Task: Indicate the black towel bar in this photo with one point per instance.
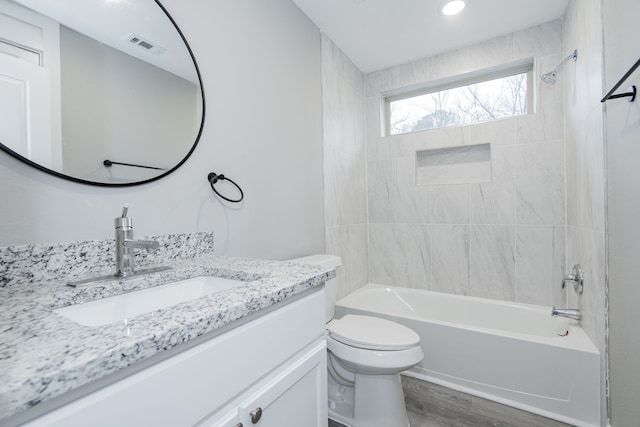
(632, 89)
(108, 164)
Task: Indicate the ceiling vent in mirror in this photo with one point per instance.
(146, 44)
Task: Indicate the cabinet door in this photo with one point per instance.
(295, 396)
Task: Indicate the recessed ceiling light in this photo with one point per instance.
(453, 7)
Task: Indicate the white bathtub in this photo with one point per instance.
(507, 352)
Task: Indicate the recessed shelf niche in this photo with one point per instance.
(455, 165)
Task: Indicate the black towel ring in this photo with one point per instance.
(214, 177)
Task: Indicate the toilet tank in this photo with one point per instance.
(331, 287)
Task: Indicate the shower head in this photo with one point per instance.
(552, 76)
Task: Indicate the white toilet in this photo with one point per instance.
(366, 355)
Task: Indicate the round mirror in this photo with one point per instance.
(102, 92)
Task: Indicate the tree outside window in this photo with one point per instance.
(488, 100)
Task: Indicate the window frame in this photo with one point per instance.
(459, 81)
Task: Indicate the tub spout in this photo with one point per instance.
(572, 313)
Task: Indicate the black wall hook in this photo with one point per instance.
(213, 178)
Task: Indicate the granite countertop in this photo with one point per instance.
(44, 355)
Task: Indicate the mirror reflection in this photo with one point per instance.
(88, 81)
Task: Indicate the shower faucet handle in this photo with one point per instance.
(577, 277)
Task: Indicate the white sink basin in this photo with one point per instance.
(125, 306)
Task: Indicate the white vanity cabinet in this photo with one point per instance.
(270, 371)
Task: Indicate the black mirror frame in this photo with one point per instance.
(146, 181)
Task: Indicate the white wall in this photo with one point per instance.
(260, 63)
(156, 112)
(623, 175)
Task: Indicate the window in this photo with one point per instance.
(488, 97)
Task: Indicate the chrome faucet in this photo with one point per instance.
(571, 313)
(125, 244)
(577, 278)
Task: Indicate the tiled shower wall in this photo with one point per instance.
(345, 197)
(504, 239)
(584, 138)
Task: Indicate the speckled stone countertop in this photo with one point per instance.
(44, 355)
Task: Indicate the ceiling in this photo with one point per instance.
(377, 34)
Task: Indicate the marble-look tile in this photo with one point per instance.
(586, 247)
(381, 177)
(450, 204)
(452, 136)
(336, 62)
(413, 201)
(540, 265)
(379, 147)
(456, 165)
(349, 242)
(546, 123)
(408, 76)
(414, 255)
(351, 119)
(343, 110)
(492, 262)
(383, 251)
(499, 133)
(494, 202)
(359, 110)
(359, 256)
(344, 188)
(337, 243)
(407, 144)
(541, 40)
(586, 77)
(585, 173)
(479, 56)
(331, 109)
(401, 76)
(376, 82)
(540, 184)
(450, 258)
(541, 126)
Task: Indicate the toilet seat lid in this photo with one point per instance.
(372, 333)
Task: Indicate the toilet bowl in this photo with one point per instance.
(365, 356)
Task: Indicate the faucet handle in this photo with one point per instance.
(577, 277)
(123, 221)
